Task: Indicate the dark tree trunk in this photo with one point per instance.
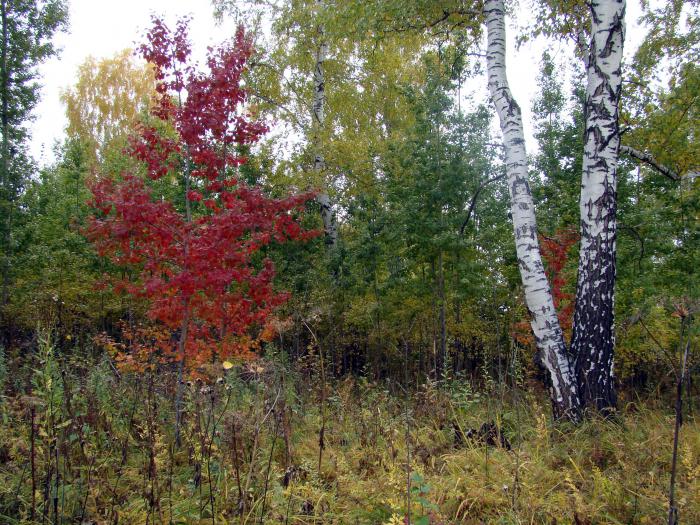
(593, 339)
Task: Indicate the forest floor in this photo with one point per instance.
(86, 444)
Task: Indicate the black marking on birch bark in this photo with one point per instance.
(612, 134)
(617, 26)
(593, 335)
(524, 265)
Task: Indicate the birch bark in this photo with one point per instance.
(538, 297)
(593, 339)
(318, 114)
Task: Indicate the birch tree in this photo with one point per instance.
(593, 339)
(106, 100)
(538, 297)
(288, 81)
(317, 109)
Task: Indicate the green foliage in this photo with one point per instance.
(420, 492)
(56, 270)
(659, 234)
(46, 381)
(557, 165)
(664, 121)
(27, 28)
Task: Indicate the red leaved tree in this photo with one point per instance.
(196, 256)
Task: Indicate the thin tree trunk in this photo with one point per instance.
(184, 325)
(32, 458)
(442, 352)
(434, 322)
(672, 508)
(180, 388)
(538, 296)
(6, 183)
(593, 338)
(318, 114)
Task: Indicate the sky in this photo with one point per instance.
(101, 28)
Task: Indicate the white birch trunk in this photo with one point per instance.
(318, 114)
(544, 320)
(593, 338)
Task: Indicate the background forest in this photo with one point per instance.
(281, 285)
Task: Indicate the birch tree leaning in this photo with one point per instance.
(593, 341)
(538, 297)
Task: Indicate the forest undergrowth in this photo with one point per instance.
(267, 442)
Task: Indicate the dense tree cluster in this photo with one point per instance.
(410, 180)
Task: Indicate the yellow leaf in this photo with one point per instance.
(227, 365)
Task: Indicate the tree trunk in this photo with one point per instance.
(442, 351)
(593, 339)
(6, 186)
(538, 297)
(318, 113)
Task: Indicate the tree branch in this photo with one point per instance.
(648, 159)
(635, 234)
(472, 205)
(279, 106)
(465, 16)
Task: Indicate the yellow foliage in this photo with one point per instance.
(105, 102)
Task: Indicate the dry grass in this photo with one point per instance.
(116, 465)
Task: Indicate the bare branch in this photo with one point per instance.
(635, 234)
(292, 116)
(648, 159)
(472, 205)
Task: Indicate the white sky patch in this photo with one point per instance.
(101, 28)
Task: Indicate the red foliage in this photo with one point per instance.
(555, 253)
(197, 268)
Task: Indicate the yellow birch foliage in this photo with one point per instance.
(106, 100)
